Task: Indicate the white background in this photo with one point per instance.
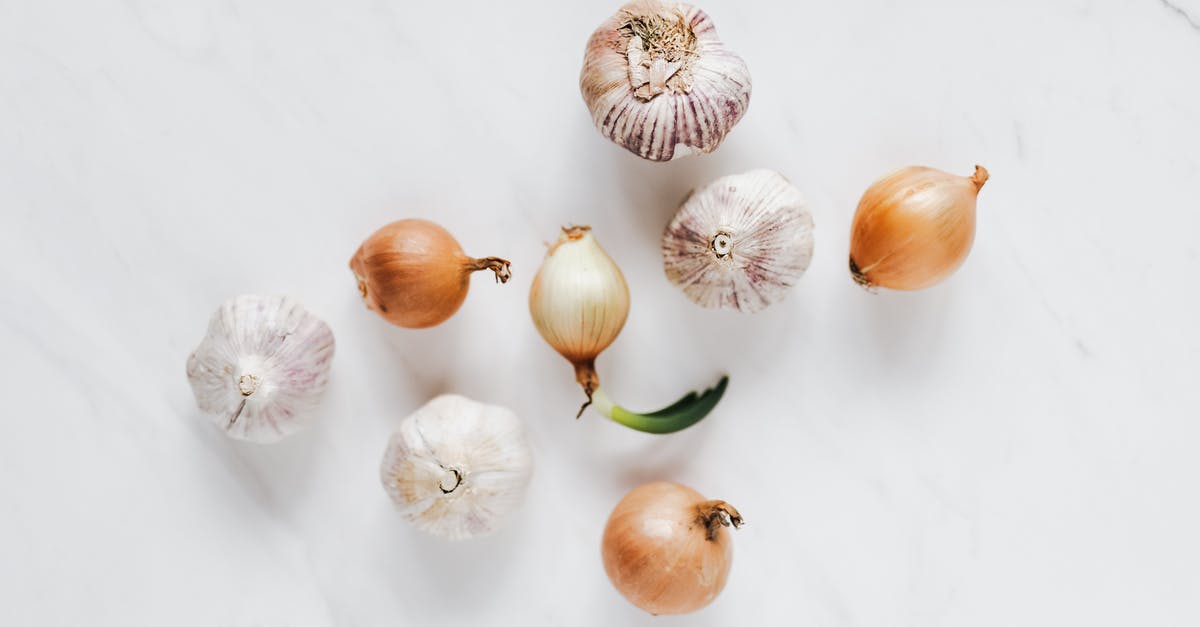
(1017, 446)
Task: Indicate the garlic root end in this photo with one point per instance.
(248, 384)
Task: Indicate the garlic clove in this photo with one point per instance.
(261, 367)
(457, 468)
(739, 242)
(660, 83)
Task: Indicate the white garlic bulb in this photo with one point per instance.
(456, 467)
(261, 367)
(660, 83)
(739, 242)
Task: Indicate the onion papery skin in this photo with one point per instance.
(415, 275)
(913, 228)
(659, 552)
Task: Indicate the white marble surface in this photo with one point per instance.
(1015, 447)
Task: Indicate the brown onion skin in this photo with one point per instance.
(913, 228)
(414, 273)
(666, 549)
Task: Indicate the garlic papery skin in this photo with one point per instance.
(659, 82)
(457, 468)
(913, 228)
(739, 242)
(262, 367)
(579, 301)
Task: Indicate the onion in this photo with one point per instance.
(913, 228)
(579, 302)
(666, 549)
(414, 273)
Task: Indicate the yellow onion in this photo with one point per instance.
(913, 228)
(578, 281)
(666, 549)
(579, 302)
(414, 274)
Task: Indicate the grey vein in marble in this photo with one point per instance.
(1181, 12)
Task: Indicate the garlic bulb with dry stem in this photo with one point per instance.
(660, 83)
(456, 467)
(739, 242)
(666, 549)
(414, 274)
(579, 302)
(261, 367)
(913, 228)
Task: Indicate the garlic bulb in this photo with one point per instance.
(660, 83)
(456, 467)
(913, 228)
(579, 302)
(262, 366)
(739, 242)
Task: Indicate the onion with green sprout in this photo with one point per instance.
(579, 302)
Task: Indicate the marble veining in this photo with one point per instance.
(1183, 13)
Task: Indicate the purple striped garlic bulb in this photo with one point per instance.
(261, 367)
(660, 83)
(739, 242)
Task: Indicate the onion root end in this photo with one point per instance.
(860, 277)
